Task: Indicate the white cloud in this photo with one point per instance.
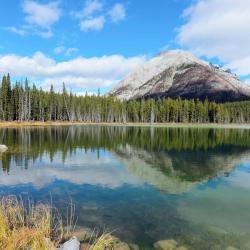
(241, 65)
(59, 49)
(219, 28)
(88, 93)
(18, 31)
(65, 51)
(45, 34)
(39, 18)
(76, 82)
(117, 13)
(90, 8)
(96, 23)
(43, 15)
(78, 73)
(93, 16)
(70, 51)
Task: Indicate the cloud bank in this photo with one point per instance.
(219, 28)
(80, 72)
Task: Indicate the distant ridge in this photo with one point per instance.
(178, 73)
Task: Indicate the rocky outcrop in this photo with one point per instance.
(180, 74)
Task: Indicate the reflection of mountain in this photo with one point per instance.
(177, 172)
(172, 159)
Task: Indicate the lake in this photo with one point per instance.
(143, 184)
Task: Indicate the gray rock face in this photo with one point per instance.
(180, 74)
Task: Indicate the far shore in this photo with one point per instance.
(14, 124)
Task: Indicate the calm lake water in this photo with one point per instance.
(144, 184)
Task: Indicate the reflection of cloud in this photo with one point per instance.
(225, 208)
(240, 180)
(80, 169)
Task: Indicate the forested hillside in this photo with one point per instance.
(20, 102)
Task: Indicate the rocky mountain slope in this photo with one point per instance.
(178, 73)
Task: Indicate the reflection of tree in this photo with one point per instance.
(5, 159)
(29, 143)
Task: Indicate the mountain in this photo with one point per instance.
(178, 73)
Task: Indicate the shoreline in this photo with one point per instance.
(16, 124)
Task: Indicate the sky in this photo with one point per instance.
(92, 44)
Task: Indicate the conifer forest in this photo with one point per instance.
(23, 102)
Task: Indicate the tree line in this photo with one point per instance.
(22, 102)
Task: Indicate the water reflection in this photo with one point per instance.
(172, 160)
(145, 183)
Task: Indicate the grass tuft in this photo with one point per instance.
(40, 227)
(28, 227)
(105, 241)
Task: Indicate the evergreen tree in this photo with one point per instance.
(20, 102)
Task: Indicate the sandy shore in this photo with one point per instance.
(170, 125)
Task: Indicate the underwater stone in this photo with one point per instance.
(84, 234)
(134, 247)
(121, 246)
(165, 244)
(181, 248)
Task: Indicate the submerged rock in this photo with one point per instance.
(118, 244)
(72, 244)
(134, 246)
(165, 245)
(84, 234)
(3, 148)
(84, 246)
(231, 248)
(181, 248)
(121, 246)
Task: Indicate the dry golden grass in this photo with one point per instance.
(104, 242)
(28, 228)
(13, 124)
(39, 227)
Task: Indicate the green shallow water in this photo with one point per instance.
(143, 184)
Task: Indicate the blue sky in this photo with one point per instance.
(91, 44)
